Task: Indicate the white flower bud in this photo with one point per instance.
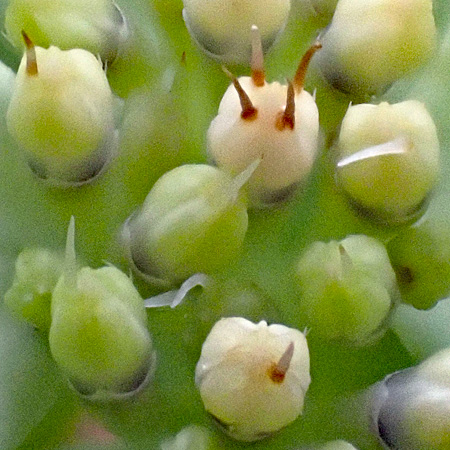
(338, 445)
(192, 437)
(371, 44)
(94, 25)
(277, 123)
(253, 377)
(411, 408)
(222, 27)
(61, 114)
(388, 158)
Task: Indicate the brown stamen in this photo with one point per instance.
(32, 68)
(278, 371)
(287, 118)
(299, 79)
(257, 63)
(249, 112)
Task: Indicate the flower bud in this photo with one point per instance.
(277, 123)
(29, 297)
(388, 159)
(369, 45)
(347, 289)
(338, 445)
(99, 334)
(421, 259)
(253, 377)
(94, 25)
(61, 114)
(411, 408)
(192, 437)
(193, 220)
(222, 27)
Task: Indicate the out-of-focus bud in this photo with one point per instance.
(222, 27)
(411, 408)
(193, 220)
(388, 159)
(371, 44)
(420, 256)
(94, 25)
(98, 334)
(338, 445)
(193, 437)
(277, 123)
(253, 377)
(37, 272)
(61, 114)
(347, 289)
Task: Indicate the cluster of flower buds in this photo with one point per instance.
(253, 377)
(94, 25)
(277, 123)
(98, 334)
(193, 220)
(410, 408)
(371, 44)
(222, 27)
(388, 159)
(347, 289)
(61, 114)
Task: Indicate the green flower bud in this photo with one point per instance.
(222, 27)
(253, 377)
(193, 220)
(61, 114)
(388, 159)
(347, 289)
(99, 334)
(29, 297)
(193, 437)
(421, 259)
(369, 45)
(411, 408)
(277, 123)
(94, 25)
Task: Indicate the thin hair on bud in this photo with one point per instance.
(279, 370)
(257, 62)
(32, 68)
(70, 261)
(299, 79)
(248, 110)
(287, 119)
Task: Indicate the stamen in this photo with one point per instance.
(287, 119)
(249, 112)
(299, 79)
(278, 371)
(257, 63)
(32, 68)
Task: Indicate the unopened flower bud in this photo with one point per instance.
(338, 445)
(347, 289)
(369, 45)
(411, 408)
(61, 114)
(94, 25)
(222, 27)
(193, 220)
(388, 159)
(99, 335)
(29, 297)
(277, 123)
(253, 377)
(193, 437)
(420, 256)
